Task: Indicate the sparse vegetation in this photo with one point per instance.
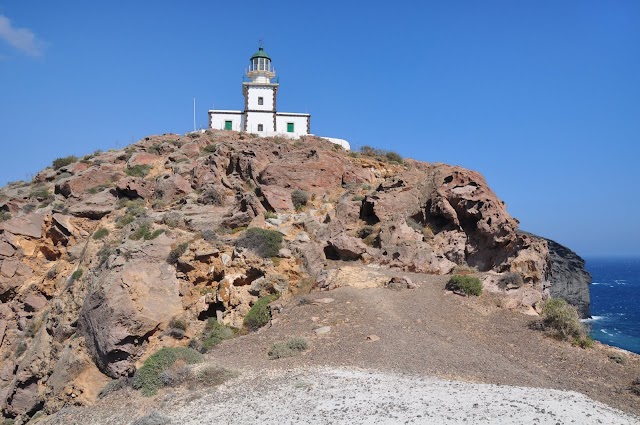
(100, 233)
(173, 219)
(265, 243)
(63, 162)
(147, 378)
(464, 269)
(177, 252)
(21, 348)
(214, 333)
(138, 170)
(4, 215)
(511, 280)
(381, 154)
(76, 275)
(424, 229)
(259, 314)
(562, 320)
(209, 149)
(39, 193)
(467, 285)
(153, 418)
(635, 386)
(177, 328)
(144, 232)
(113, 386)
(299, 198)
(290, 348)
(618, 358)
(358, 198)
(209, 235)
(212, 376)
(270, 214)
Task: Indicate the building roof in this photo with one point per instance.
(260, 54)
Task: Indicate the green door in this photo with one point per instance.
(227, 125)
(290, 127)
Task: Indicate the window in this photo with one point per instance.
(227, 125)
(260, 101)
(290, 127)
(260, 126)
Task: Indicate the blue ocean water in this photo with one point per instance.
(615, 301)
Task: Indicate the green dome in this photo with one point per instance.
(260, 54)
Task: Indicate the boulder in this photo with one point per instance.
(134, 187)
(278, 198)
(127, 306)
(29, 225)
(171, 187)
(94, 207)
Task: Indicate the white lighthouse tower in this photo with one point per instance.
(260, 115)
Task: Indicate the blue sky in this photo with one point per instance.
(542, 97)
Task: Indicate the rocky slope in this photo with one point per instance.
(99, 255)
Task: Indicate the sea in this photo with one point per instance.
(615, 301)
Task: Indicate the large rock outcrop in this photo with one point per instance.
(99, 256)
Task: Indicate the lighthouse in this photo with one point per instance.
(260, 115)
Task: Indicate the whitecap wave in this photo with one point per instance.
(593, 319)
(620, 282)
(598, 283)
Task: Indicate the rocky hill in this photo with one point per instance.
(101, 256)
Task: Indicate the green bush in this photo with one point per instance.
(270, 214)
(563, 320)
(299, 198)
(259, 314)
(5, 215)
(177, 252)
(393, 157)
(209, 149)
(265, 243)
(39, 193)
(138, 170)
(100, 233)
(77, 274)
(381, 154)
(468, 285)
(214, 333)
(287, 349)
(147, 378)
(63, 162)
(144, 232)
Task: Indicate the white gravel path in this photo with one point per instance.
(348, 396)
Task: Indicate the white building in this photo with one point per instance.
(260, 115)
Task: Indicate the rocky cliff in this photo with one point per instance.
(99, 255)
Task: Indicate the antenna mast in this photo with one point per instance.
(194, 114)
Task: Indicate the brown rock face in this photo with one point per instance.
(128, 305)
(91, 276)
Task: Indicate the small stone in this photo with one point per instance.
(315, 318)
(373, 338)
(323, 330)
(323, 301)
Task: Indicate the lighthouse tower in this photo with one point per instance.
(260, 115)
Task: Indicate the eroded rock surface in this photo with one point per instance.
(99, 256)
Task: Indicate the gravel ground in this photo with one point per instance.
(351, 396)
(436, 358)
